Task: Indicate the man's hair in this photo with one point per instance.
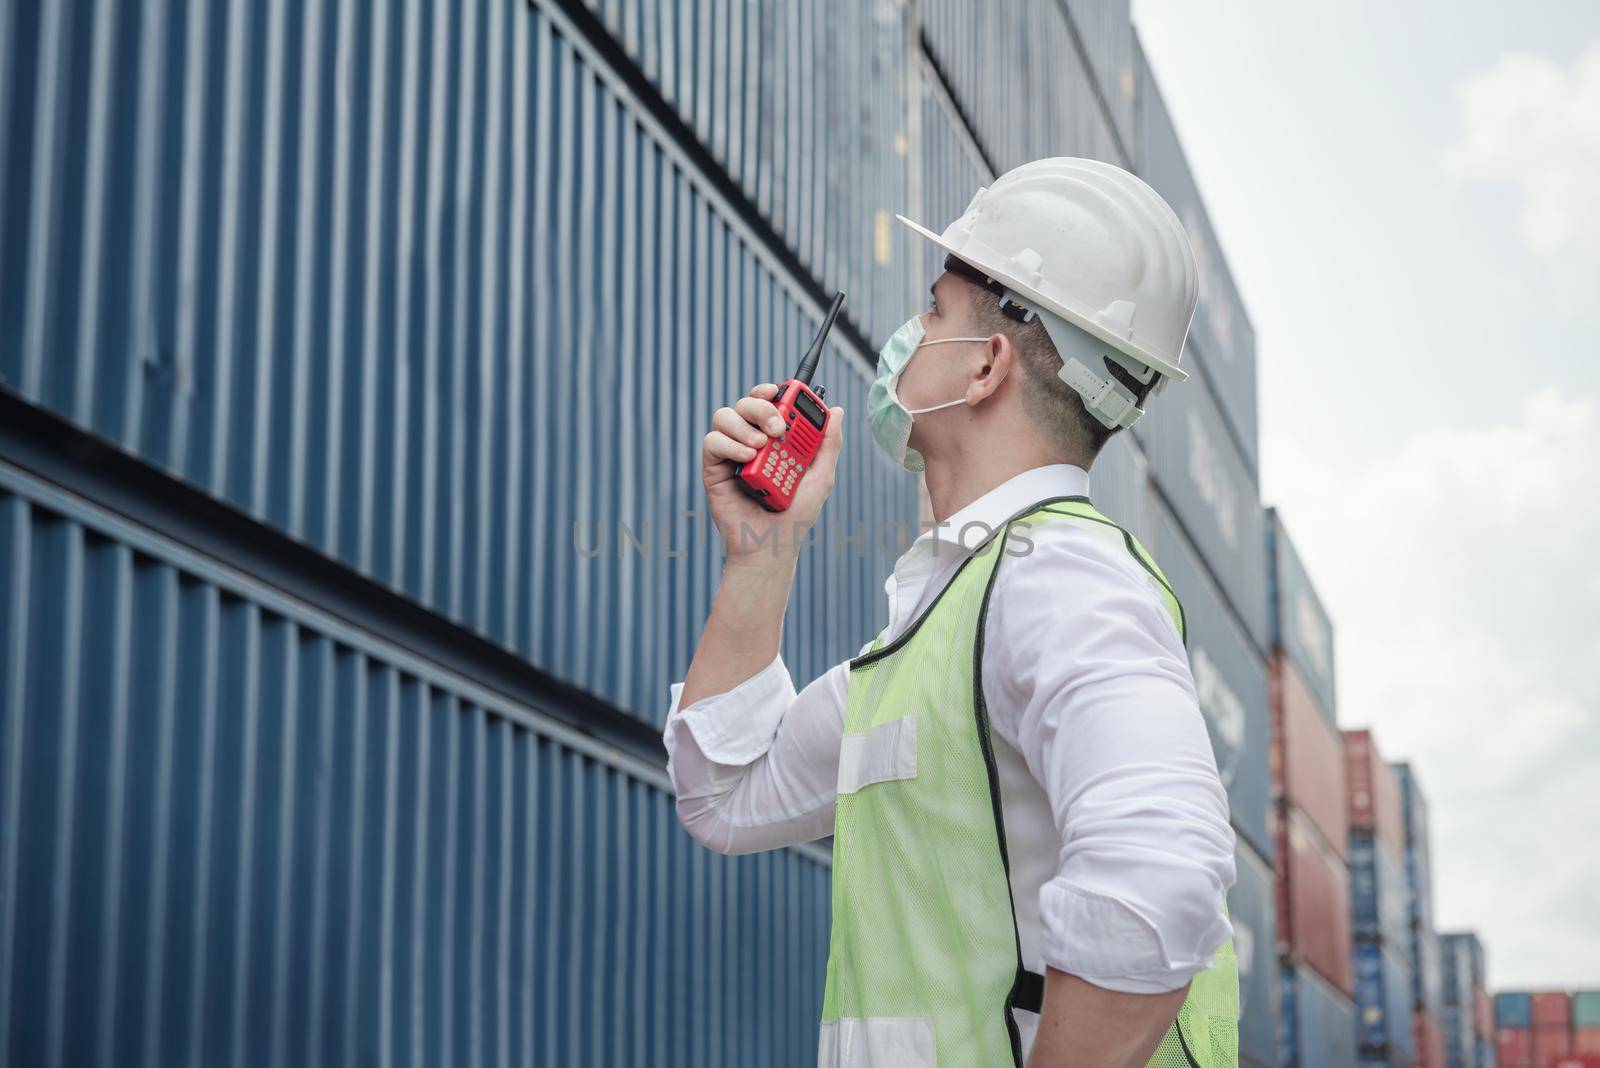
(1054, 407)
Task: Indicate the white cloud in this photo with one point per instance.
(1534, 125)
(1461, 574)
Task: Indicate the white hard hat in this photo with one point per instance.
(1085, 243)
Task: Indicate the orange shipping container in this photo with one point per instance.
(1374, 792)
(1427, 1038)
(1484, 1011)
(1313, 901)
(1513, 1048)
(1550, 1043)
(1552, 1008)
(1586, 1040)
(1307, 757)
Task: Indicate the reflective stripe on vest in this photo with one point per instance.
(924, 962)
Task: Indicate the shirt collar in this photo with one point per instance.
(968, 527)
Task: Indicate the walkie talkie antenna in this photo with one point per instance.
(808, 362)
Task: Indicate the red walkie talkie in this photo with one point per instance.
(781, 463)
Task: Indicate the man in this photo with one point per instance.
(1015, 772)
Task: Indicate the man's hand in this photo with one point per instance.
(736, 433)
(741, 635)
(1083, 1024)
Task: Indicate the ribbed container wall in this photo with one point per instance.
(1230, 678)
(1307, 755)
(1461, 994)
(1586, 1008)
(1374, 794)
(1418, 871)
(1253, 913)
(1427, 1039)
(1297, 621)
(804, 107)
(1383, 1004)
(1205, 480)
(1513, 1011)
(1319, 1022)
(272, 838)
(415, 335)
(1222, 341)
(1377, 894)
(1017, 73)
(1313, 892)
(445, 295)
(1514, 1048)
(1103, 30)
(1120, 488)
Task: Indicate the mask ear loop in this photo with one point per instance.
(958, 400)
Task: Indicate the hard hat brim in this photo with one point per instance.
(1072, 315)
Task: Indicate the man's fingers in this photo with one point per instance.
(761, 413)
(719, 446)
(737, 426)
(766, 391)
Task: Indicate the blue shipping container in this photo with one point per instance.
(1460, 1043)
(1513, 1010)
(1206, 482)
(1230, 678)
(1455, 968)
(1383, 1002)
(1377, 893)
(1222, 341)
(1016, 70)
(387, 329)
(1419, 858)
(1297, 622)
(1488, 1055)
(239, 829)
(1427, 969)
(1319, 1023)
(804, 108)
(1253, 909)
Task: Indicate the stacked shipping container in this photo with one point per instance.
(418, 348)
(1427, 1028)
(1378, 903)
(1532, 1030)
(1552, 1025)
(1311, 814)
(1586, 1021)
(1464, 1015)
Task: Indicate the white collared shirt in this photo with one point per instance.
(1116, 821)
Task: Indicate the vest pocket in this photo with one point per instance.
(888, 751)
(878, 1042)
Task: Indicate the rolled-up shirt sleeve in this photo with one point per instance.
(1106, 717)
(756, 768)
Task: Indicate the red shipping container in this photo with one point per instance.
(1484, 1010)
(1513, 1048)
(1586, 1040)
(1550, 1043)
(1313, 901)
(1427, 1037)
(1307, 755)
(1553, 1008)
(1374, 791)
(1577, 1060)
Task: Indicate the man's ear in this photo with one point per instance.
(999, 363)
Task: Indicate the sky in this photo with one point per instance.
(1408, 196)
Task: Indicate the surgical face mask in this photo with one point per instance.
(889, 419)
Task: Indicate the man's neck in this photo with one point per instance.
(953, 486)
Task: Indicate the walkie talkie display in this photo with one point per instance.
(782, 462)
